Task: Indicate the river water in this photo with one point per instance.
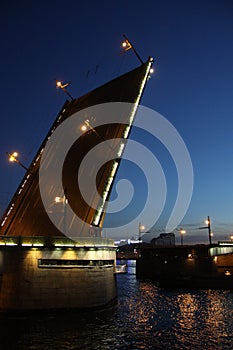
(145, 317)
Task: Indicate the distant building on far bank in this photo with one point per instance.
(164, 239)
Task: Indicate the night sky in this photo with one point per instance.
(80, 42)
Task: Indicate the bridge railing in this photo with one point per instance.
(221, 249)
(47, 241)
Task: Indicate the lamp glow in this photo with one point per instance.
(60, 85)
(12, 157)
(63, 87)
(126, 45)
(182, 233)
(84, 127)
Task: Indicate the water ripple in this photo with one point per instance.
(145, 317)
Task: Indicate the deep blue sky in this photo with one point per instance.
(192, 43)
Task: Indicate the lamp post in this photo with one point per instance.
(63, 87)
(13, 158)
(141, 228)
(64, 201)
(208, 227)
(127, 45)
(182, 233)
(86, 126)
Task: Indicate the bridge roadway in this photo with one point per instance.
(132, 251)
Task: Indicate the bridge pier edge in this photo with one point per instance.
(56, 278)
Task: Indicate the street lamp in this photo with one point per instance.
(12, 157)
(64, 201)
(127, 45)
(182, 233)
(86, 126)
(141, 228)
(63, 87)
(207, 222)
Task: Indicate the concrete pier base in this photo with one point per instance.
(56, 276)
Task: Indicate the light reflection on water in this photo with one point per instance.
(145, 317)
